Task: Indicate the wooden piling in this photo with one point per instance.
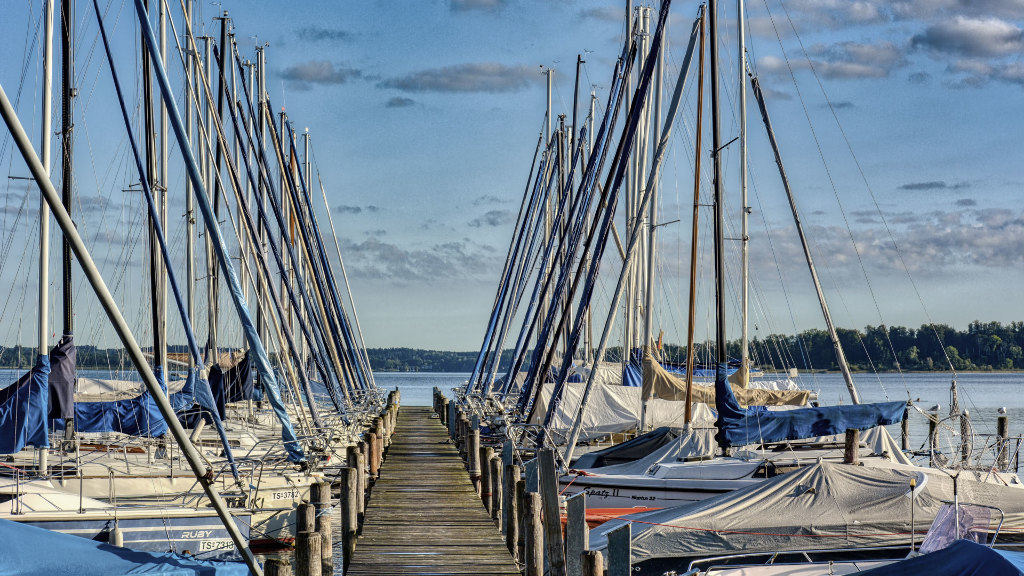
(548, 479)
(305, 517)
(379, 450)
(277, 567)
(485, 453)
(350, 498)
(905, 429)
(495, 475)
(534, 534)
(473, 463)
(307, 554)
(851, 455)
(577, 533)
(620, 551)
(1003, 432)
(592, 563)
(520, 525)
(320, 494)
(373, 462)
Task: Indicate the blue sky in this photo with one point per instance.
(424, 116)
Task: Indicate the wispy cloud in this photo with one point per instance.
(305, 75)
(488, 199)
(603, 13)
(486, 5)
(399, 102)
(376, 259)
(472, 77)
(934, 185)
(320, 34)
(844, 60)
(493, 218)
(347, 209)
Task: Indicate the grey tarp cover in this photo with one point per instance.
(821, 506)
(700, 442)
(611, 409)
(668, 386)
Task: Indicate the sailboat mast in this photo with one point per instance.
(190, 217)
(833, 335)
(692, 318)
(211, 265)
(745, 212)
(44, 210)
(722, 353)
(161, 193)
(44, 149)
(652, 209)
(67, 22)
(150, 176)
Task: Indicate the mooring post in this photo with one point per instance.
(307, 554)
(445, 419)
(1003, 432)
(534, 535)
(852, 453)
(305, 517)
(620, 551)
(277, 567)
(905, 429)
(592, 563)
(320, 494)
(379, 450)
(548, 478)
(349, 514)
(519, 532)
(509, 493)
(577, 533)
(451, 420)
(485, 453)
(496, 489)
(473, 454)
(382, 430)
(374, 462)
(353, 458)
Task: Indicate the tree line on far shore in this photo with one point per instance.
(982, 346)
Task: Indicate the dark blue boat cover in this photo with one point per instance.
(233, 384)
(961, 558)
(138, 416)
(32, 551)
(23, 407)
(740, 427)
(62, 378)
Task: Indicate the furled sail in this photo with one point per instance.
(23, 408)
(665, 385)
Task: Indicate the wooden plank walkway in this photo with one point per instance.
(424, 516)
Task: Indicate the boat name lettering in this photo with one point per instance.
(195, 534)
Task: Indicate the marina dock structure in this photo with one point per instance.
(424, 515)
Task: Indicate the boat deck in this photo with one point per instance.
(424, 516)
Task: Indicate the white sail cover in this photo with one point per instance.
(611, 408)
(820, 506)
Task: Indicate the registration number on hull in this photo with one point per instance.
(214, 545)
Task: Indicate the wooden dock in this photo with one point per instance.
(424, 516)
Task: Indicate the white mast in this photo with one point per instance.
(44, 209)
(744, 371)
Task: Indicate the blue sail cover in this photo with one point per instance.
(961, 558)
(739, 427)
(23, 408)
(138, 416)
(32, 551)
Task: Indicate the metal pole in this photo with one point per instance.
(67, 23)
(190, 217)
(722, 354)
(44, 210)
(744, 234)
(203, 474)
(692, 315)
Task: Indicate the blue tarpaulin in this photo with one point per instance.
(32, 551)
(961, 558)
(23, 408)
(138, 416)
(739, 427)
